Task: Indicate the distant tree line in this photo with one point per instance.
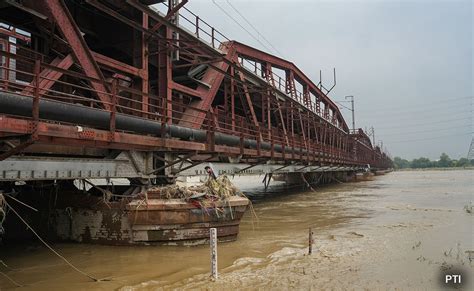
(421, 163)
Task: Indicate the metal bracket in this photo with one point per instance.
(16, 149)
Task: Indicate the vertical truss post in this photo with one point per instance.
(302, 130)
(165, 75)
(232, 97)
(197, 26)
(257, 137)
(290, 84)
(213, 38)
(226, 103)
(6, 70)
(272, 149)
(283, 146)
(36, 97)
(262, 106)
(282, 120)
(211, 130)
(113, 110)
(307, 97)
(292, 134)
(269, 119)
(164, 113)
(326, 111)
(241, 130)
(144, 57)
(318, 105)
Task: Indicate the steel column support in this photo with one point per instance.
(144, 57)
(232, 97)
(165, 78)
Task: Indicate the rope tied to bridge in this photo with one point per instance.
(5, 203)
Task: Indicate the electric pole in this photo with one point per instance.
(353, 118)
(470, 154)
(373, 135)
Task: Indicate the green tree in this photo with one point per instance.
(463, 162)
(444, 161)
(421, 163)
(400, 163)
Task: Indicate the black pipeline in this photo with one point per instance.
(15, 104)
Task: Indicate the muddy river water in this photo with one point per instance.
(395, 232)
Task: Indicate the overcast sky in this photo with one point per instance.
(409, 64)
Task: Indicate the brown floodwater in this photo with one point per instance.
(395, 232)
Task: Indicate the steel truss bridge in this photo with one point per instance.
(106, 89)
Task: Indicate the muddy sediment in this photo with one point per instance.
(397, 231)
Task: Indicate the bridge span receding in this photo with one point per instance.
(165, 96)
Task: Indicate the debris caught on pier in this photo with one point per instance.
(213, 189)
(202, 196)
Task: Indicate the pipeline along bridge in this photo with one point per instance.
(121, 89)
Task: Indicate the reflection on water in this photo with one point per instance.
(393, 232)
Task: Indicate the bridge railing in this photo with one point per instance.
(194, 24)
(40, 80)
(209, 34)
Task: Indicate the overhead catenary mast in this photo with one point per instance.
(470, 154)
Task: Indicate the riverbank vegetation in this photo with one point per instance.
(444, 161)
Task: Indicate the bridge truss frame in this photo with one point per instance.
(165, 72)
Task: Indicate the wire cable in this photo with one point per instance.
(48, 246)
(434, 138)
(246, 30)
(254, 28)
(424, 131)
(425, 123)
(421, 110)
(449, 100)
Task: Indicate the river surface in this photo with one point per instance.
(394, 232)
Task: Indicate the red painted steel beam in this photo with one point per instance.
(194, 118)
(58, 12)
(17, 149)
(257, 55)
(165, 78)
(60, 134)
(186, 90)
(282, 120)
(49, 76)
(117, 65)
(170, 14)
(249, 103)
(14, 34)
(144, 60)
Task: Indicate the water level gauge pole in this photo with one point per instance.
(213, 243)
(310, 241)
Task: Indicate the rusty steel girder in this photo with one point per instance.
(160, 72)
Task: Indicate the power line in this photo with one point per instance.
(343, 105)
(246, 30)
(423, 123)
(254, 28)
(423, 131)
(420, 110)
(429, 104)
(438, 137)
